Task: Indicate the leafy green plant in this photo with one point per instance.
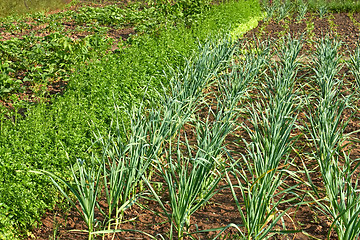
(188, 10)
(7, 84)
(42, 59)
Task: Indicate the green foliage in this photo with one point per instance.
(136, 15)
(53, 135)
(188, 10)
(271, 126)
(335, 5)
(327, 131)
(34, 61)
(227, 16)
(142, 16)
(41, 59)
(191, 179)
(7, 84)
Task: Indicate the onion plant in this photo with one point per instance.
(301, 10)
(284, 10)
(187, 85)
(270, 11)
(327, 65)
(337, 169)
(327, 126)
(354, 65)
(281, 82)
(126, 156)
(85, 186)
(191, 178)
(210, 135)
(260, 174)
(185, 178)
(244, 68)
(322, 10)
(201, 69)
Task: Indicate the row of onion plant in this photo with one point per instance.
(354, 65)
(260, 174)
(327, 126)
(192, 170)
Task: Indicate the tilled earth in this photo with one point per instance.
(221, 209)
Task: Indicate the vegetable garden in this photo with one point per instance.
(221, 134)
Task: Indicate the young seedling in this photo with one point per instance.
(354, 65)
(302, 10)
(322, 10)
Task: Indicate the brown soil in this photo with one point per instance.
(221, 210)
(336, 25)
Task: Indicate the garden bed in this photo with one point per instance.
(303, 219)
